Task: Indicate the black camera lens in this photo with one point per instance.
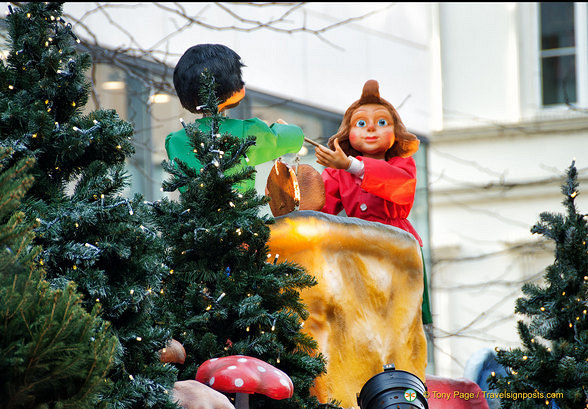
(393, 389)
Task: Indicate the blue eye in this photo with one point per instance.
(382, 122)
(360, 124)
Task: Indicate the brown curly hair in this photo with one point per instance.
(405, 143)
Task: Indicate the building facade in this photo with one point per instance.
(509, 118)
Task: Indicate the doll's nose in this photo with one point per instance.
(371, 127)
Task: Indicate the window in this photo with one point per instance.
(558, 53)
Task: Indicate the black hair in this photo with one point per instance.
(224, 64)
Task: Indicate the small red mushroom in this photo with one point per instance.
(245, 375)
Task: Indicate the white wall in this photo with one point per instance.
(497, 160)
(480, 63)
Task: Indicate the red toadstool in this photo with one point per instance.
(245, 375)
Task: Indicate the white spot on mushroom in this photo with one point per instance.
(261, 369)
(284, 382)
(239, 382)
(211, 382)
(242, 360)
(232, 367)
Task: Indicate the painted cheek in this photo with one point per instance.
(390, 137)
(354, 136)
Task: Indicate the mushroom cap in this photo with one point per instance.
(245, 374)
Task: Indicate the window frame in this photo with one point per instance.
(580, 51)
(529, 69)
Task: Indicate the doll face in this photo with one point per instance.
(372, 130)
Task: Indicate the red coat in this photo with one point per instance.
(385, 194)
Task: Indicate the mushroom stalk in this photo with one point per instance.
(241, 400)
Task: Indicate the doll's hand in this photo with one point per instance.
(281, 121)
(336, 159)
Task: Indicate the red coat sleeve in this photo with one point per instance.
(393, 180)
(333, 203)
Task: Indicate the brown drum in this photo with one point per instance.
(291, 188)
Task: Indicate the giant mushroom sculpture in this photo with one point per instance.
(245, 375)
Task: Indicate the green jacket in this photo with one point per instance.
(271, 142)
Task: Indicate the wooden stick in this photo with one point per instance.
(310, 141)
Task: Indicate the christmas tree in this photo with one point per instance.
(224, 294)
(52, 352)
(552, 363)
(88, 232)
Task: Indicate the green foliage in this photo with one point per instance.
(88, 232)
(55, 354)
(553, 357)
(224, 295)
(52, 352)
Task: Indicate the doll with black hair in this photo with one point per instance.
(272, 141)
(370, 172)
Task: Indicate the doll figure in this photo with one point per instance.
(225, 65)
(369, 171)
